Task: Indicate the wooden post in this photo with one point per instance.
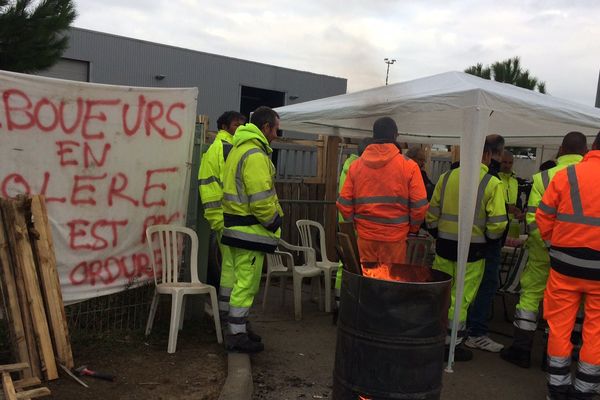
(13, 310)
(24, 261)
(331, 176)
(44, 248)
(30, 340)
(427, 150)
(455, 153)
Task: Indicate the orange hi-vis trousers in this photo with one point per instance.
(561, 303)
(377, 257)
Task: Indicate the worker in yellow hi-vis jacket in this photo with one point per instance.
(210, 185)
(252, 217)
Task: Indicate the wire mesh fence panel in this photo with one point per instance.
(123, 311)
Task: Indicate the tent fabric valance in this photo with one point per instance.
(433, 110)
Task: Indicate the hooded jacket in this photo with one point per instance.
(383, 194)
(568, 217)
(251, 210)
(210, 179)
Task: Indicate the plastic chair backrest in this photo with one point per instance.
(308, 253)
(170, 253)
(275, 260)
(304, 226)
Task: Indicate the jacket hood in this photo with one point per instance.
(224, 135)
(592, 154)
(379, 155)
(569, 159)
(248, 132)
(507, 174)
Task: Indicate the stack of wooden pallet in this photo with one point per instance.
(31, 290)
(23, 388)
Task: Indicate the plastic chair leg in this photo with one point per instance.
(176, 300)
(297, 297)
(153, 307)
(327, 279)
(182, 316)
(316, 283)
(267, 283)
(215, 310)
(282, 284)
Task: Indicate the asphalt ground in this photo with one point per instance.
(298, 359)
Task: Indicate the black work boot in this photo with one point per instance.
(576, 395)
(558, 392)
(544, 365)
(519, 353)
(241, 343)
(460, 353)
(251, 334)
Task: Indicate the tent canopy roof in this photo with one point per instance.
(434, 109)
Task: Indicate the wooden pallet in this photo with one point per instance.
(32, 294)
(20, 389)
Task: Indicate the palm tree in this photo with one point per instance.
(508, 71)
(479, 70)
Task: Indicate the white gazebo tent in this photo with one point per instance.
(449, 108)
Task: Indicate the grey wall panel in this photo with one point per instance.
(125, 61)
(65, 68)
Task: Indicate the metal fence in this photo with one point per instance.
(123, 311)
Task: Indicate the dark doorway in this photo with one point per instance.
(252, 98)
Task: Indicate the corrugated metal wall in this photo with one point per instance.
(125, 61)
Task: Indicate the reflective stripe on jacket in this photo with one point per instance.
(210, 179)
(490, 214)
(384, 194)
(541, 180)
(568, 218)
(251, 210)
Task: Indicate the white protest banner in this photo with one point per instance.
(111, 160)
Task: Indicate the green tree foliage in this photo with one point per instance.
(33, 36)
(508, 71)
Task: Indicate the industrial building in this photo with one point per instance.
(224, 83)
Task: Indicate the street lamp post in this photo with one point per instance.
(387, 74)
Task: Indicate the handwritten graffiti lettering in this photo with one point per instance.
(94, 190)
(91, 157)
(97, 235)
(91, 117)
(110, 161)
(118, 184)
(109, 270)
(150, 186)
(158, 220)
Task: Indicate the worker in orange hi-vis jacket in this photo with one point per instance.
(568, 218)
(385, 196)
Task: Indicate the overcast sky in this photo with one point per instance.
(557, 40)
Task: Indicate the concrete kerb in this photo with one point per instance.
(238, 385)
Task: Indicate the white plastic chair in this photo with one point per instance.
(329, 267)
(277, 266)
(167, 278)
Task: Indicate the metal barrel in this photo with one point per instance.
(391, 335)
